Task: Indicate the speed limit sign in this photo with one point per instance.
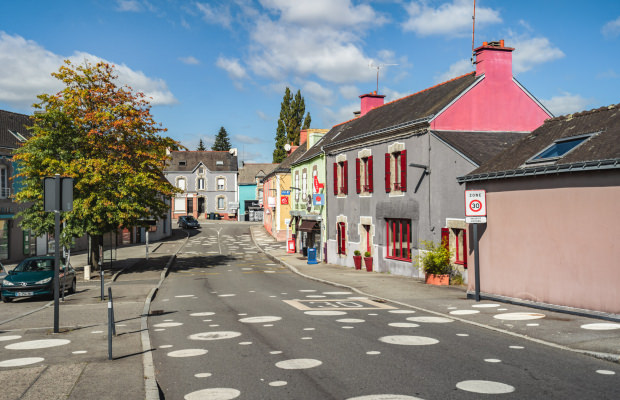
(475, 206)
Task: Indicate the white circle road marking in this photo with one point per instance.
(37, 344)
(214, 335)
(185, 295)
(245, 343)
(384, 397)
(464, 312)
(202, 314)
(485, 305)
(485, 387)
(519, 316)
(309, 329)
(307, 290)
(403, 325)
(325, 312)
(336, 293)
(298, 363)
(605, 372)
(602, 326)
(165, 346)
(260, 320)
(492, 360)
(462, 334)
(187, 353)
(407, 340)
(203, 375)
(275, 352)
(226, 295)
(10, 337)
(351, 320)
(315, 296)
(402, 311)
(433, 320)
(18, 362)
(213, 394)
(277, 383)
(168, 324)
(373, 353)
(516, 347)
(79, 352)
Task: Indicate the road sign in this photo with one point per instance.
(285, 193)
(284, 200)
(475, 203)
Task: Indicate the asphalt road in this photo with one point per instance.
(229, 323)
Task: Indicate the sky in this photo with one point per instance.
(208, 64)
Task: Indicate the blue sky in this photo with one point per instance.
(207, 64)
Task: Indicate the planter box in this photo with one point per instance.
(357, 260)
(368, 263)
(440, 280)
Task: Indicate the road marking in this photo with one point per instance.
(337, 304)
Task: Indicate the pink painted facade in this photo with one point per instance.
(370, 101)
(496, 102)
(552, 239)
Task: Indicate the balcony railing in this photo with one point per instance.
(5, 193)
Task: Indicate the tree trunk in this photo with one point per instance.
(96, 251)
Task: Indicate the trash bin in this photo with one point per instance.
(218, 216)
(312, 256)
(212, 215)
(304, 251)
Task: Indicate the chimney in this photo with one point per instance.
(303, 136)
(494, 60)
(370, 101)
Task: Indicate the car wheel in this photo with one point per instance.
(73, 287)
(6, 299)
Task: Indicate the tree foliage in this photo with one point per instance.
(201, 146)
(291, 120)
(222, 142)
(279, 154)
(104, 137)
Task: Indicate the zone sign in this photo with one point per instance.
(475, 203)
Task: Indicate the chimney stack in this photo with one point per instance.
(494, 60)
(370, 101)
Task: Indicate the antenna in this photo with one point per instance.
(473, 31)
(378, 67)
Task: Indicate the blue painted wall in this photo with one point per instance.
(246, 192)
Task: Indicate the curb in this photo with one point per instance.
(603, 356)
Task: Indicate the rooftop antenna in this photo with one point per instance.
(473, 31)
(378, 67)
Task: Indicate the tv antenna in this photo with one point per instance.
(378, 67)
(473, 31)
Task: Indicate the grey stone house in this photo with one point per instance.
(208, 180)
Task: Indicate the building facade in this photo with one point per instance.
(251, 190)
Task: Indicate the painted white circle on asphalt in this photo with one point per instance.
(187, 353)
(226, 295)
(245, 343)
(432, 320)
(373, 353)
(168, 324)
(385, 397)
(519, 316)
(601, 326)
(347, 327)
(165, 346)
(97, 332)
(309, 329)
(260, 320)
(407, 340)
(403, 325)
(485, 305)
(306, 338)
(79, 352)
(185, 295)
(159, 329)
(605, 372)
(315, 296)
(277, 383)
(10, 337)
(307, 290)
(216, 335)
(516, 347)
(492, 360)
(351, 320)
(462, 334)
(202, 314)
(402, 311)
(485, 387)
(213, 394)
(337, 293)
(203, 375)
(275, 352)
(464, 312)
(37, 344)
(325, 312)
(299, 363)
(18, 362)
(532, 324)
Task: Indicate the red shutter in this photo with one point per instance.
(445, 237)
(357, 175)
(369, 166)
(465, 248)
(387, 173)
(335, 179)
(403, 170)
(344, 237)
(345, 179)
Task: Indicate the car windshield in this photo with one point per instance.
(37, 264)
(190, 219)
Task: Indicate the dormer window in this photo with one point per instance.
(182, 163)
(17, 135)
(559, 148)
(219, 163)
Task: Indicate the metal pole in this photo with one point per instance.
(476, 263)
(110, 323)
(147, 243)
(101, 274)
(56, 253)
(111, 302)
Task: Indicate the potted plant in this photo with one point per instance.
(368, 261)
(435, 262)
(357, 259)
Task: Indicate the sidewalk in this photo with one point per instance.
(73, 364)
(591, 336)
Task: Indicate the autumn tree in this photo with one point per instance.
(222, 142)
(104, 137)
(201, 146)
(291, 121)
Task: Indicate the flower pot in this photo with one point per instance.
(368, 263)
(439, 280)
(357, 260)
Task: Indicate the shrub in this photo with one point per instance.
(367, 254)
(357, 253)
(435, 259)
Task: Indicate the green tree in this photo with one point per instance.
(292, 111)
(222, 142)
(104, 137)
(201, 146)
(279, 154)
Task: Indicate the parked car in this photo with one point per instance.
(187, 221)
(2, 273)
(35, 277)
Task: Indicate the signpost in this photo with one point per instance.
(57, 197)
(476, 213)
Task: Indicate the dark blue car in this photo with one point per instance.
(35, 277)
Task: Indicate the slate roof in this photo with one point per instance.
(415, 107)
(18, 123)
(600, 151)
(249, 172)
(480, 147)
(208, 158)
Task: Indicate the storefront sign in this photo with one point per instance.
(284, 200)
(271, 202)
(318, 199)
(317, 185)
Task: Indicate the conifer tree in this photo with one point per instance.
(279, 154)
(222, 142)
(291, 120)
(201, 145)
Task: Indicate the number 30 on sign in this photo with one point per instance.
(475, 206)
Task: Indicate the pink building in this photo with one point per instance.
(553, 208)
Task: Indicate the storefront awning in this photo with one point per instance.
(308, 225)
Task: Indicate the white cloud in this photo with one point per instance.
(128, 5)
(246, 139)
(190, 60)
(27, 68)
(219, 15)
(448, 19)
(263, 116)
(317, 93)
(391, 95)
(459, 68)
(343, 114)
(349, 91)
(332, 13)
(566, 103)
(612, 28)
(532, 52)
(232, 67)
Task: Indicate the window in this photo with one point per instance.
(181, 183)
(220, 183)
(396, 171)
(260, 194)
(363, 174)
(341, 177)
(304, 185)
(5, 191)
(398, 237)
(182, 163)
(190, 205)
(342, 237)
(297, 186)
(559, 148)
(179, 204)
(221, 203)
(461, 247)
(219, 163)
(201, 184)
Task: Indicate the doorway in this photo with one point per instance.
(201, 206)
